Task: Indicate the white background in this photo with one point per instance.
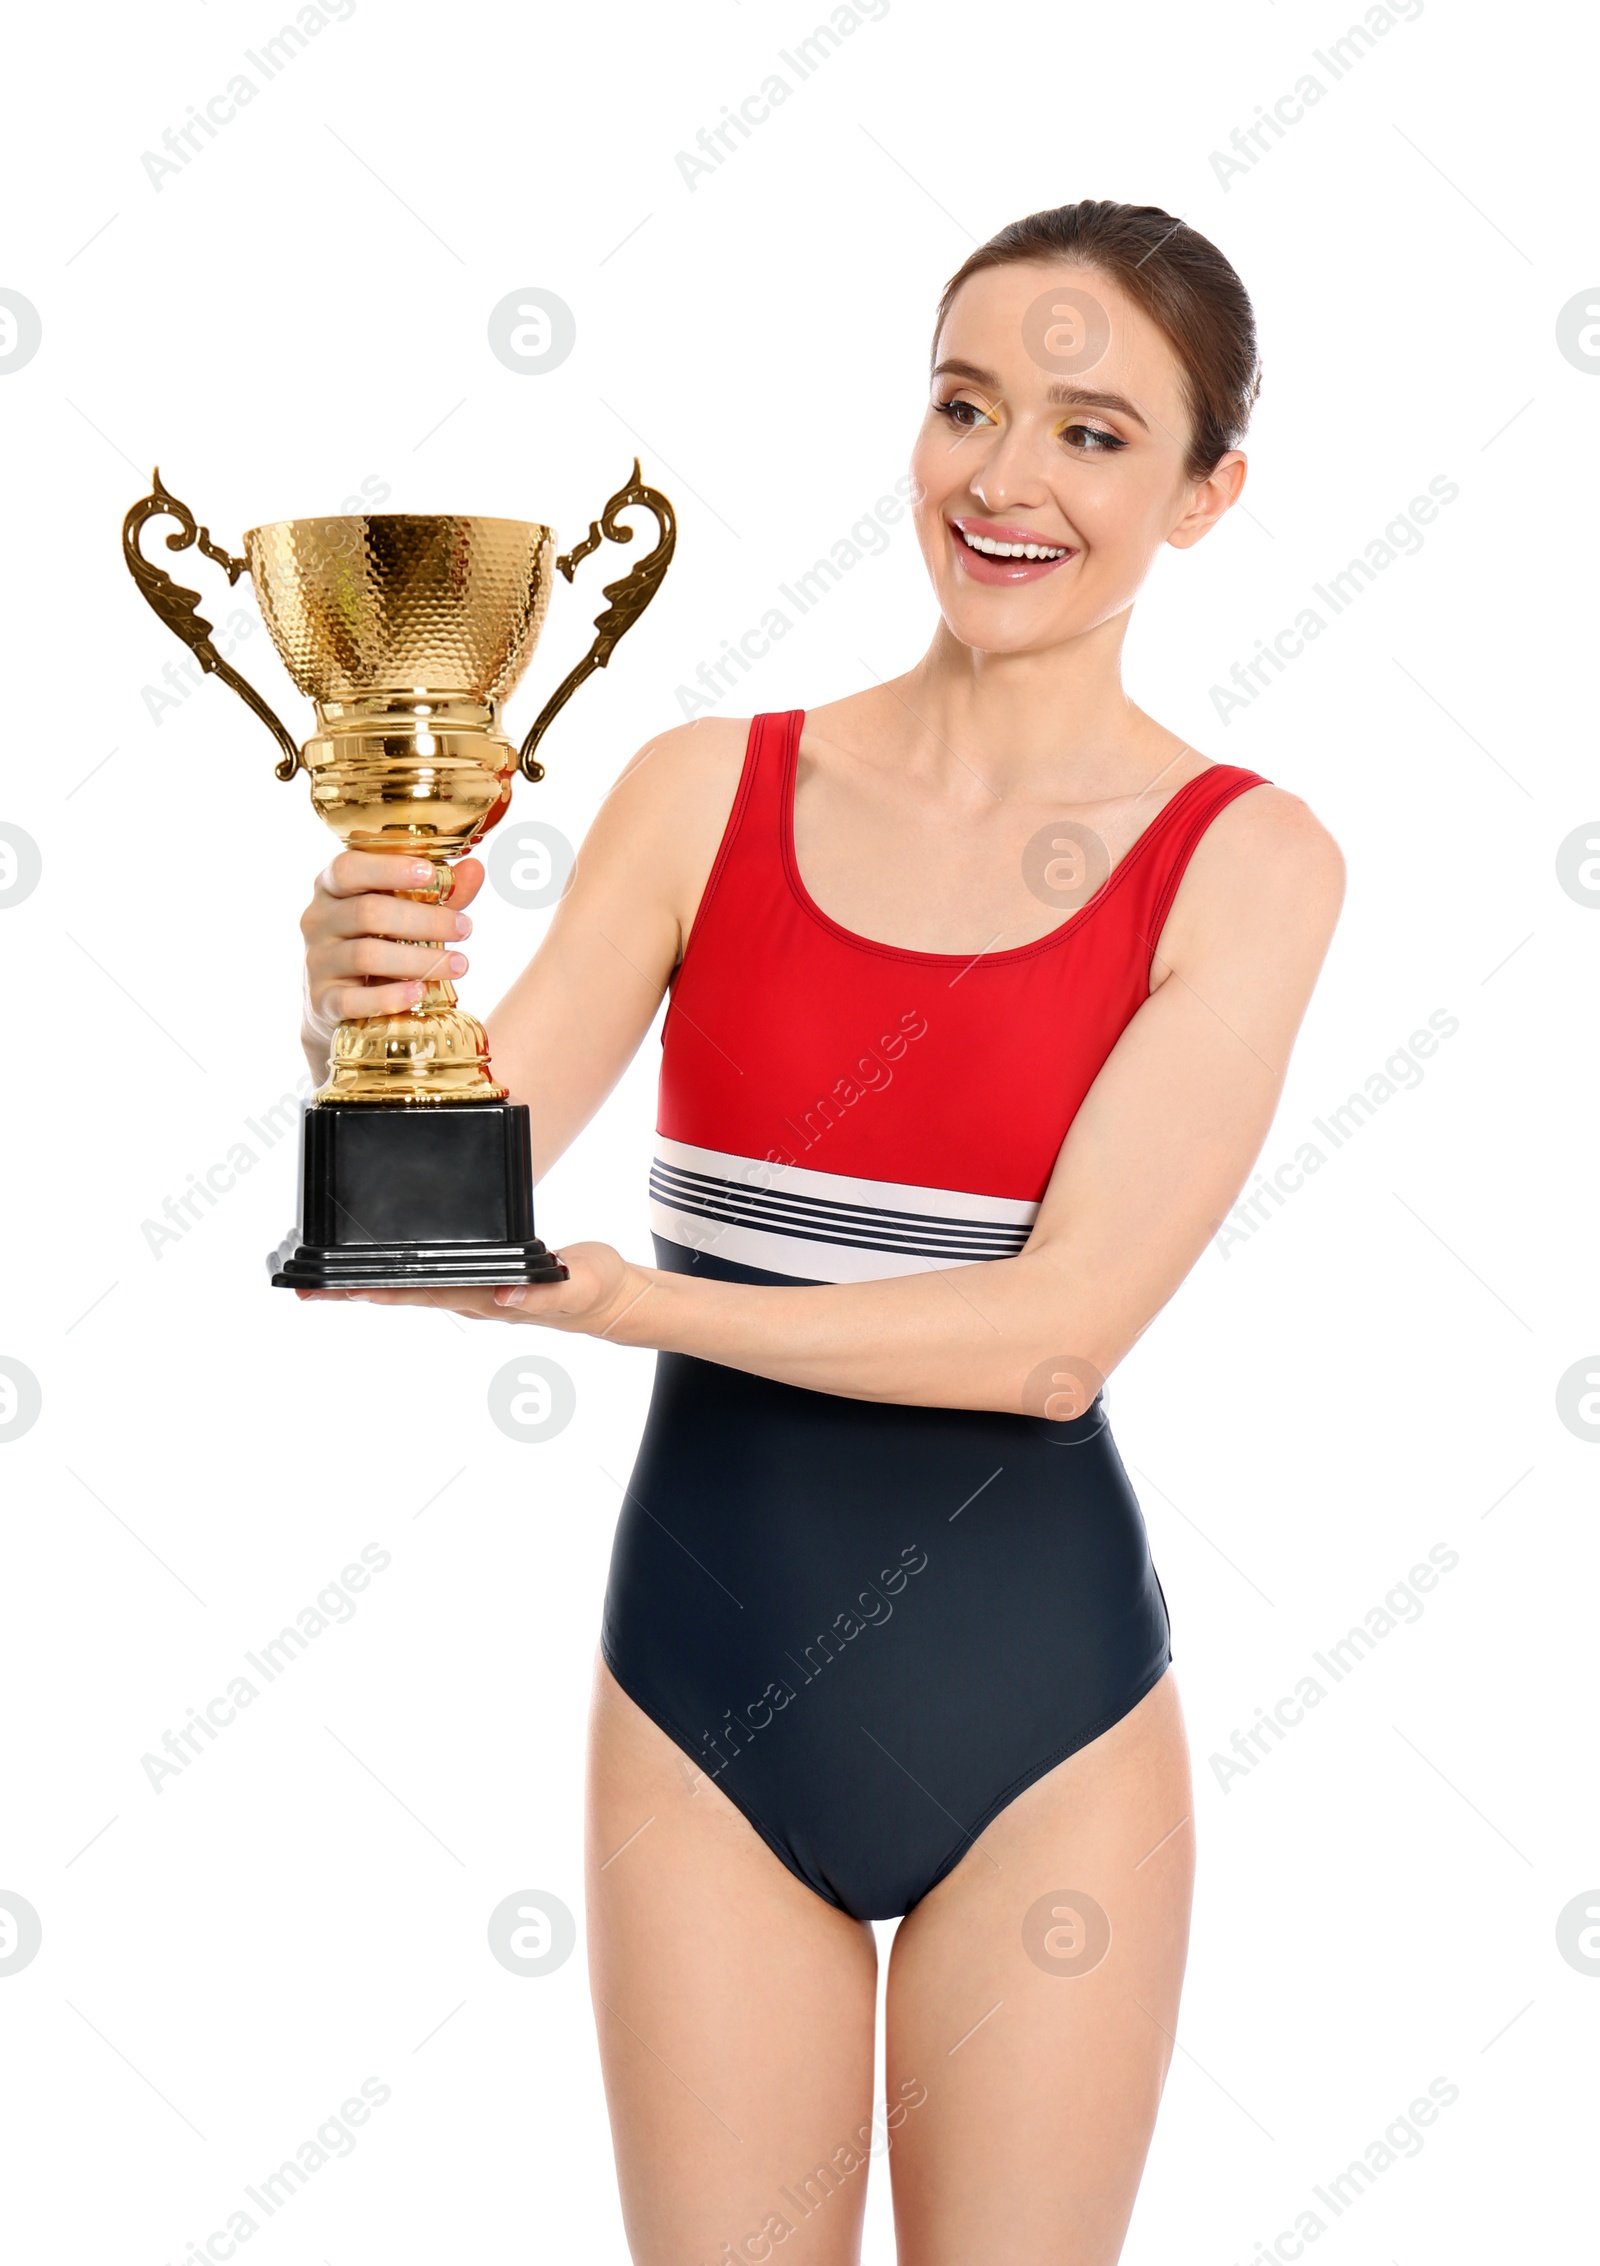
(1374, 1372)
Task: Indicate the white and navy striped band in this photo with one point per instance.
(824, 1226)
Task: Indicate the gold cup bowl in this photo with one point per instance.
(407, 632)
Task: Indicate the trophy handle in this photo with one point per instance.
(180, 608)
(629, 598)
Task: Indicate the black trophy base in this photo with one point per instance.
(400, 1198)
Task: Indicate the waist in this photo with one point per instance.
(787, 1424)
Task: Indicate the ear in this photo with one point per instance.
(1214, 495)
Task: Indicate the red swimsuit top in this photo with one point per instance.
(835, 1110)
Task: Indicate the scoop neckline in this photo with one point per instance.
(1012, 952)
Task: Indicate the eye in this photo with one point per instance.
(1092, 440)
(965, 415)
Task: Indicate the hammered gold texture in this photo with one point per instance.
(398, 602)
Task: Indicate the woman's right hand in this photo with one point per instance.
(371, 952)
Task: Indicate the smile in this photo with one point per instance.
(993, 550)
(1011, 557)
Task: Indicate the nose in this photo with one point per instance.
(1010, 476)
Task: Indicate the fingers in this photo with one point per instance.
(371, 952)
(470, 1304)
(372, 915)
(347, 976)
(353, 1003)
(355, 872)
(470, 874)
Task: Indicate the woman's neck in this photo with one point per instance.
(1058, 722)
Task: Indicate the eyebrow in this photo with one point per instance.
(1063, 396)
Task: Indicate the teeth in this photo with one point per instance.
(993, 550)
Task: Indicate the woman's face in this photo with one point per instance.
(1057, 422)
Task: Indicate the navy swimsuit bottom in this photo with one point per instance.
(873, 1625)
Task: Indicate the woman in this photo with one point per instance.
(983, 989)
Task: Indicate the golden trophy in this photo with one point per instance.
(408, 632)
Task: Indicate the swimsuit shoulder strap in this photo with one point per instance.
(1177, 830)
(748, 868)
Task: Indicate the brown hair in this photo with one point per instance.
(1181, 281)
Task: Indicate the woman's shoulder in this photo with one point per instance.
(1266, 844)
(1269, 819)
(685, 763)
(668, 807)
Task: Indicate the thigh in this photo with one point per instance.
(1027, 2042)
(735, 2016)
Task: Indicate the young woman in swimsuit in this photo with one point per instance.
(982, 989)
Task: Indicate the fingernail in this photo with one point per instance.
(458, 963)
(463, 925)
(422, 873)
(511, 1297)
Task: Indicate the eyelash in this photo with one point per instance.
(1106, 443)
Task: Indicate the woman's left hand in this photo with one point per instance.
(600, 1287)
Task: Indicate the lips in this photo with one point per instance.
(1004, 560)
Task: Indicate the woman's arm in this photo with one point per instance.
(574, 1018)
(1157, 1154)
